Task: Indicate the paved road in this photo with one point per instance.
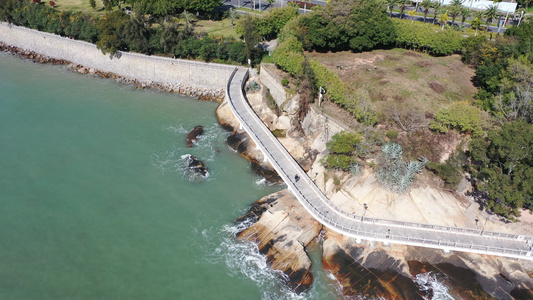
(382, 230)
(263, 5)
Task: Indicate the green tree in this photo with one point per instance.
(437, 5)
(427, 5)
(363, 25)
(390, 6)
(187, 16)
(455, 8)
(403, 5)
(110, 26)
(443, 19)
(476, 23)
(503, 167)
(490, 13)
(136, 35)
(465, 14)
(232, 15)
(251, 38)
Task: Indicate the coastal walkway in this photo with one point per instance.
(358, 226)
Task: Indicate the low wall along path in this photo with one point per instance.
(151, 69)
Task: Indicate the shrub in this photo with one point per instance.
(285, 82)
(392, 172)
(461, 116)
(338, 162)
(392, 134)
(344, 142)
(425, 37)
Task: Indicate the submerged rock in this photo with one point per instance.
(193, 135)
(282, 231)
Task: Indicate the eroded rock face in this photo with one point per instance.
(193, 135)
(282, 230)
(369, 273)
(405, 272)
(241, 142)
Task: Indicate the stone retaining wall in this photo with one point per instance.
(174, 73)
(273, 83)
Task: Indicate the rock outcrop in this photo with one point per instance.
(193, 135)
(196, 167)
(241, 142)
(282, 231)
(405, 272)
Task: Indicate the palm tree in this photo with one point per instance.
(390, 5)
(187, 16)
(443, 19)
(403, 5)
(426, 4)
(465, 13)
(490, 13)
(455, 8)
(437, 4)
(232, 14)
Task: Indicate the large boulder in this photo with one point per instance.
(282, 230)
(193, 135)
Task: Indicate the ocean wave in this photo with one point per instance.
(430, 282)
(244, 259)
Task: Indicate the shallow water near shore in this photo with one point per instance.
(97, 203)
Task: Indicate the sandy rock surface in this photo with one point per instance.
(282, 231)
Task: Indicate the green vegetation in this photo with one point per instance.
(423, 37)
(363, 26)
(503, 167)
(393, 172)
(342, 149)
(116, 31)
(461, 116)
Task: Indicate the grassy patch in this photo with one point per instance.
(216, 28)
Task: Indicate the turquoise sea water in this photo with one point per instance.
(95, 202)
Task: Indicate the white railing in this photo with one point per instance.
(322, 209)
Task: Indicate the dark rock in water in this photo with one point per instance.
(197, 166)
(241, 142)
(193, 135)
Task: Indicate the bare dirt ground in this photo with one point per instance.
(403, 78)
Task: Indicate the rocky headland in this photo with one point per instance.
(282, 228)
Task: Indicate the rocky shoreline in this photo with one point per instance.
(201, 94)
(282, 229)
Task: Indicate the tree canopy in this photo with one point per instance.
(503, 167)
(350, 24)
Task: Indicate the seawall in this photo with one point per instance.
(173, 74)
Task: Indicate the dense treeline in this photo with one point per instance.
(119, 31)
(502, 160)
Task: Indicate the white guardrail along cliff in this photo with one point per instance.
(357, 226)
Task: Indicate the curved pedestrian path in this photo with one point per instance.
(357, 226)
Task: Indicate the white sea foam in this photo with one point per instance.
(430, 282)
(243, 259)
